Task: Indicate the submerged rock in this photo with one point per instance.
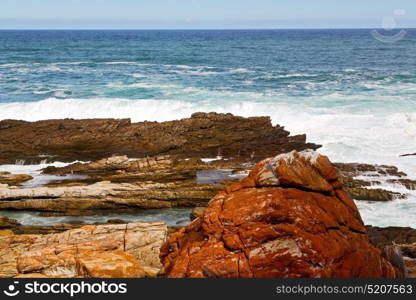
(201, 135)
(127, 250)
(289, 218)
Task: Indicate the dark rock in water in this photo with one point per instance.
(381, 237)
(116, 221)
(6, 222)
(373, 194)
(201, 135)
(407, 183)
(289, 218)
(354, 169)
(410, 154)
(360, 189)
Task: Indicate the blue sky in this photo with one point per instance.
(189, 14)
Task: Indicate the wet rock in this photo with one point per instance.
(407, 183)
(112, 164)
(381, 237)
(197, 212)
(125, 250)
(358, 180)
(201, 135)
(81, 200)
(355, 169)
(289, 218)
(402, 238)
(116, 221)
(43, 229)
(409, 154)
(369, 194)
(6, 222)
(13, 179)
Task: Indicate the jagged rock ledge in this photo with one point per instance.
(201, 135)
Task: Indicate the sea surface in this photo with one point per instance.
(345, 89)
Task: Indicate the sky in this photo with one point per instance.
(205, 14)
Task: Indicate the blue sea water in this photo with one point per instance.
(345, 89)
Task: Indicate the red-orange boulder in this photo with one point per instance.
(288, 218)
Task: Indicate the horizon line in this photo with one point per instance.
(190, 29)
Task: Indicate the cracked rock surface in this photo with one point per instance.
(289, 218)
(102, 251)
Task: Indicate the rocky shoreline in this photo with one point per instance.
(201, 135)
(188, 164)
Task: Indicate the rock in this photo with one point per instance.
(114, 163)
(39, 229)
(197, 212)
(13, 179)
(112, 264)
(361, 189)
(201, 135)
(403, 239)
(116, 221)
(6, 232)
(289, 218)
(355, 169)
(369, 194)
(127, 250)
(81, 200)
(6, 222)
(381, 237)
(409, 154)
(406, 182)
(394, 255)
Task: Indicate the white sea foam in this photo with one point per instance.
(280, 76)
(118, 63)
(51, 68)
(399, 212)
(184, 66)
(240, 70)
(40, 92)
(196, 72)
(138, 75)
(143, 85)
(61, 94)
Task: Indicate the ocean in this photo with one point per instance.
(345, 89)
